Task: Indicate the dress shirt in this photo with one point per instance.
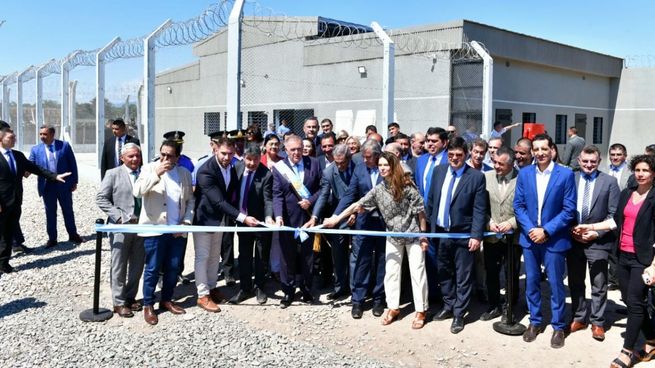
(581, 184)
(299, 169)
(173, 196)
(374, 173)
(616, 171)
(226, 175)
(542, 183)
(129, 173)
(120, 142)
(51, 157)
(450, 175)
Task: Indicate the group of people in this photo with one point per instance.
(54, 163)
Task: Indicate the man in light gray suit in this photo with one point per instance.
(573, 148)
(500, 183)
(618, 165)
(598, 196)
(334, 183)
(127, 253)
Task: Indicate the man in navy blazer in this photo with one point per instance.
(57, 156)
(292, 207)
(334, 184)
(545, 205)
(437, 141)
(457, 202)
(367, 257)
(110, 157)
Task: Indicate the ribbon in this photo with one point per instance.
(298, 232)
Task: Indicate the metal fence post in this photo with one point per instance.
(97, 314)
(233, 98)
(487, 88)
(388, 73)
(100, 96)
(19, 107)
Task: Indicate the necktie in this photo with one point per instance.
(246, 189)
(345, 176)
(374, 176)
(137, 201)
(12, 162)
(586, 196)
(51, 148)
(428, 178)
(449, 199)
(52, 161)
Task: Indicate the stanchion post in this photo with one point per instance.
(509, 327)
(97, 314)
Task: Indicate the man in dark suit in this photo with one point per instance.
(256, 200)
(217, 196)
(406, 156)
(456, 202)
(334, 184)
(57, 156)
(111, 149)
(437, 141)
(572, 150)
(13, 166)
(296, 182)
(598, 196)
(367, 257)
(544, 205)
(326, 158)
(310, 131)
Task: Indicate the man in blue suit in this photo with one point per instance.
(437, 141)
(545, 204)
(367, 257)
(57, 156)
(296, 183)
(457, 202)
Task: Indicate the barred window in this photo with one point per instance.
(560, 129)
(598, 130)
(212, 122)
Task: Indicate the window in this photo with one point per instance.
(598, 130)
(212, 122)
(504, 116)
(258, 118)
(560, 129)
(529, 117)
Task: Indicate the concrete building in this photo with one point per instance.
(299, 70)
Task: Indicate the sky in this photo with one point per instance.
(36, 31)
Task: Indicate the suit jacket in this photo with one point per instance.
(558, 210)
(215, 201)
(623, 178)
(11, 185)
(115, 196)
(321, 162)
(65, 163)
(501, 206)
(572, 150)
(285, 201)
(108, 158)
(468, 206)
(360, 184)
(333, 188)
(260, 192)
(421, 162)
(411, 163)
(604, 201)
(643, 235)
(152, 189)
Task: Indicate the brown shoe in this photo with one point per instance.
(150, 315)
(172, 307)
(531, 332)
(206, 303)
(123, 311)
(135, 306)
(217, 296)
(577, 326)
(557, 341)
(598, 332)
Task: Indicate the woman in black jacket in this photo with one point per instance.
(634, 223)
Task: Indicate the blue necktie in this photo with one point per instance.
(449, 199)
(12, 163)
(584, 213)
(428, 179)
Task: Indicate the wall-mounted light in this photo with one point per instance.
(242, 83)
(361, 69)
(170, 90)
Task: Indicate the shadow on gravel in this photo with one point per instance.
(62, 258)
(17, 306)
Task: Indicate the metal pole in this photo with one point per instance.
(19, 108)
(64, 133)
(97, 314)
(100, 97)
(233, 98)
(388, 72)
(149, 91)
(126, 109)
(139, 103)
(487, 88)
(509, 326)
(5, 99)
(72, 123)
(40, 116)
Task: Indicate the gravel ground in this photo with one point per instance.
(40, 305)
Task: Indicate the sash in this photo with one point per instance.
(293, 179)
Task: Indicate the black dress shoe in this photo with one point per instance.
(557, 341)
(261, 296)
(51, 243)
(531, 332)
(490, 314)
(357, 311)
(19, 249)
(240, 296)
(457, 326)
(612, 286)
(230, 281)
(75, 239)
(183, 280)
(443, 315)
(286, 301)
(307, 297)
(338, 295)
(6, 268)
(378, 309)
